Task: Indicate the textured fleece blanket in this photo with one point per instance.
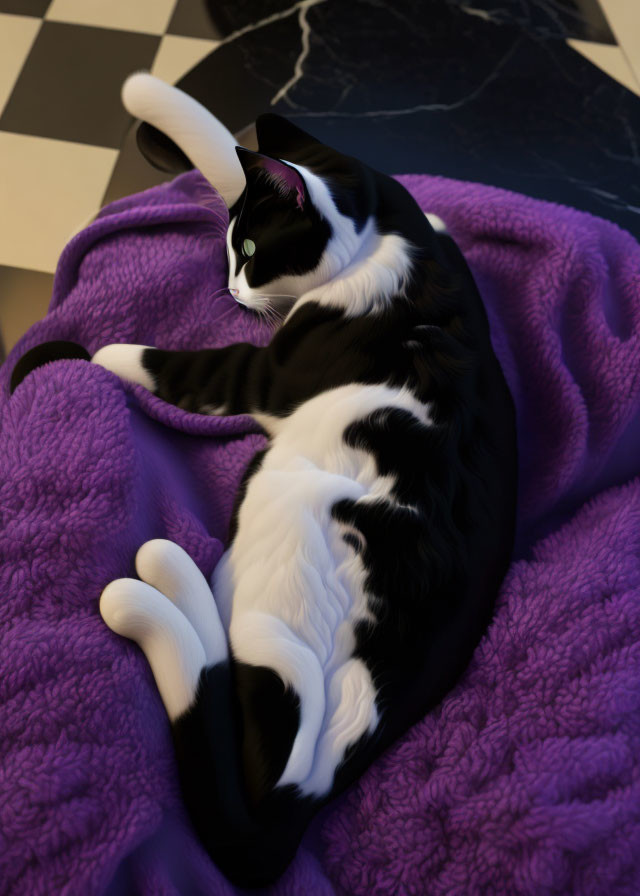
(526, 778)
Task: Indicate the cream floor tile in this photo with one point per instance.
(149, 16)
(17, 34)
(53, 188)
(177, 55)
(610, 59)
(624, 19)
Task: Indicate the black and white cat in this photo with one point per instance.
(370, 537)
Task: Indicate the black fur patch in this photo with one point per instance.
(288, 239)
(270, 718)
(251, 470)
(251, 844)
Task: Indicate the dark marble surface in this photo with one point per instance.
(582, 19)
(547, 19)
(478, 90)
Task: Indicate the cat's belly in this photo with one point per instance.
(291, 589)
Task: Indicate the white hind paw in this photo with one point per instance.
(167, 567)
(172, 647)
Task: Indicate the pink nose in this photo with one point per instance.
(233, 291)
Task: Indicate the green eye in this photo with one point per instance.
(248, 248)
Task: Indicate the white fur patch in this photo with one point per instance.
(290, 565)
(135, 610)
(231, 255)
(168, 568)
(238, 286)
(215, 410)
(358, 272)
(125, 361)
(370, 281)
(437, 223)
(262, 639)
(352, 710)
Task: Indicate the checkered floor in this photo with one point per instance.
(62, 125)
(66, 143)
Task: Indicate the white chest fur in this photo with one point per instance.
(290, 590)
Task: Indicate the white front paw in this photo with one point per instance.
(125, 361)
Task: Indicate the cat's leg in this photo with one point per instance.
(164, 565)
(227, 380)
(174, 651)
(194, 682)
(231, 746)
(234, 724)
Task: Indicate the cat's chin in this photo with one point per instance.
(264, 304)
(248, 304)
(240, 300)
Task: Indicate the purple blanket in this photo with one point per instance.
(526, 779)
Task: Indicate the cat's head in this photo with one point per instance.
(305, 220)
(313, 222)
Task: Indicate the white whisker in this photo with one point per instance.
(267, 312)
(217, 293)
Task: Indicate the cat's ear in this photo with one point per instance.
(277, 136)
(283, 178)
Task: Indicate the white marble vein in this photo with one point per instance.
(422, 107)
(480, 13)
(304, 52)
(268, 20)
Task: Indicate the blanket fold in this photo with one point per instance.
(526, 778)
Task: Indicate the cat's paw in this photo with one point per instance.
(174, 651)
(166, 566)
(126, 362)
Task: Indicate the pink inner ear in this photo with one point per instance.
(285, 178)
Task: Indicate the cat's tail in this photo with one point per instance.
(233, 724)
(195, 131)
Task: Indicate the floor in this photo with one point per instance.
(538, 96)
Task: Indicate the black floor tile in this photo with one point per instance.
(25, 7)
(132, 172)
(196, 18)
(215, 20)
(69, 87)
